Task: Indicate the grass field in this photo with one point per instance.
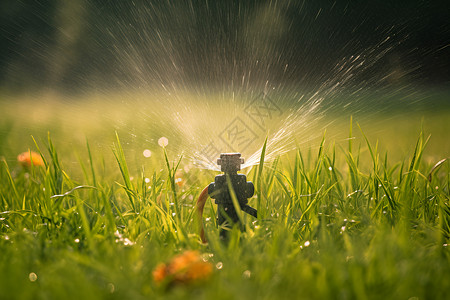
(360, 218)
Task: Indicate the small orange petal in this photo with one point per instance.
(199, 270)
(159, 273)
(26, 159)
(179, 179)
(182, 261)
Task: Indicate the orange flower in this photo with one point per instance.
(187, 267)
(30, 157)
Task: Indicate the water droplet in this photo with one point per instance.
(147, 153)
(163, 141)
(147, 180)
(77, 241)
(219, 265)
(6, 237)
(330, 168)
(173, 214)
(307, 243)
(127, 242)
(32, 276)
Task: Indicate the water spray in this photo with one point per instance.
(230, 192)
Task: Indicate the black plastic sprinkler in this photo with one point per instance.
(228, 188)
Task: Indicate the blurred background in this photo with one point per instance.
(73, 46)
(185, 69)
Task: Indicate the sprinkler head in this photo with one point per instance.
(230, 162)
(231, 183)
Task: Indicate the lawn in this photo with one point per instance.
(360, 211)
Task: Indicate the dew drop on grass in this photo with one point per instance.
(147, 153)
(147, 180)
(163, 141)
(307, 243)
(77, 241)
(32, 276)
(219, 265)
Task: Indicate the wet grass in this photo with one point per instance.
(335, 221)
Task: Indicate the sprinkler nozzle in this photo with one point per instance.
(230, 162)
